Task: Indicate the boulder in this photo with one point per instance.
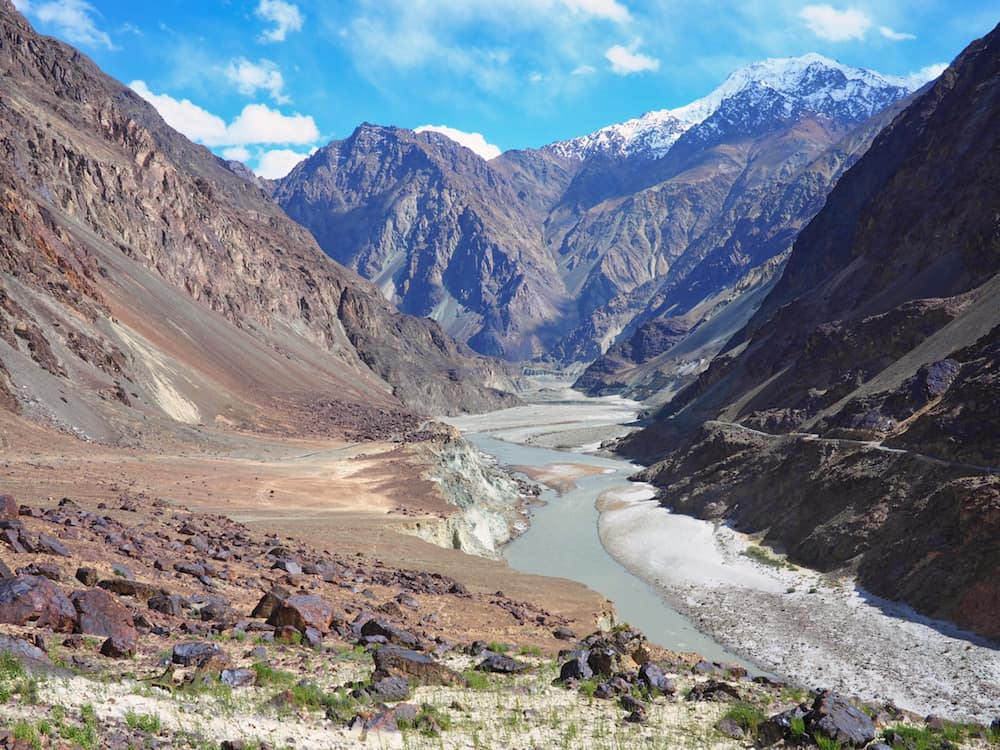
(118, 648)
(87, 576)
(168, 604)
(730, 728)
(564, 634)
(389, 689)
(502, 664)
(392, 633)
(25, 599)
(199, 654)
(32, 658)
(652, 676)
(5, 572)
(576, 668)
(713, 690)
(778, 727)
(238, 678)
(393, 661)
(127, 587)
(52, 546)
(270, 602)
(835, 717)
(303, 611)
(47, 570)
(99, 613)
(8, 507)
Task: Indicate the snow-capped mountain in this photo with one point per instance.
(774, 88)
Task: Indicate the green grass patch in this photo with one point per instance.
(826, 743)
(498, 648)
(477, 680)
(530, 651)
(268, 676)
(747, 716)
(149, 723)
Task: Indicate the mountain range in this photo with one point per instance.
(148, 288)
(852, 420)
(559, 253)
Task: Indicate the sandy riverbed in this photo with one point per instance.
(817, 631)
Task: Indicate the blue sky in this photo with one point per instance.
(266, 81)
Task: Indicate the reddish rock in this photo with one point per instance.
(8, 507)
(393, 661)
(118, 648)
(303, 611)
(99, 613)
(25, 599)
(271, 601)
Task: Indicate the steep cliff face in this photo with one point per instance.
(880, 341)
(442, 233)
(563, 251)
(143, 279)
(727, 270)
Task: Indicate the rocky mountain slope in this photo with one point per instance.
(128, 623)
(145, 284)
(732, 267)
(559, 252)
(848, 420)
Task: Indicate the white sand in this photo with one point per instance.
(836, 637)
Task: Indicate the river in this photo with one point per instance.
(563, 539)
(690, 586)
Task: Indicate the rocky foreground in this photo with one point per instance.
(132, 623)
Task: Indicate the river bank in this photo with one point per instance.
(812, 629)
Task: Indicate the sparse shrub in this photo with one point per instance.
(748, 716)
(149, 723)
(826, 743)
(797, 727)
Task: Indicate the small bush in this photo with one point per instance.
(498, 648)
(530, 651)
(826, 743)
(748, 716)
(797, 727)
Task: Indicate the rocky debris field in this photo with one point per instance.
(135, 624)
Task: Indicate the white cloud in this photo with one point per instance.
(834, 25)
(236, 153)
(627, 60)
(536, 77)
(928, 73)
(610, 9)
(475, 142)
(896, 36)
(584, 70)
(249, 77)
(185, 116)
(285, 16)
(22, 5)
(257, 123)
(73, 20)
(278, 162)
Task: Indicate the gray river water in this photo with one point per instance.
(563, 539)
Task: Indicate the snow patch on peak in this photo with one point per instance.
(807, 78)
(810, 82)
(652, 135)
